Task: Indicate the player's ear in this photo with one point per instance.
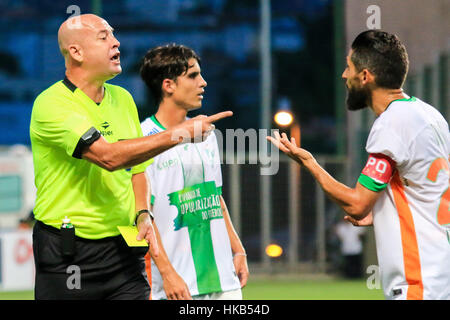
(168, 86)
(367, 77)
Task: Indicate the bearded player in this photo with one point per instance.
(404, 188)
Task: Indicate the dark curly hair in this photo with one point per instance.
(383, 55)
(165, 62)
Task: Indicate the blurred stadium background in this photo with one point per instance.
(258, 57)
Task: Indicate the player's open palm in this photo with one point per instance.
(290, 148)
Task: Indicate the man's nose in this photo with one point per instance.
(116, 43)
(203, 82)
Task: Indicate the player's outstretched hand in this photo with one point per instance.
(147, 232)
(290, 148)
(198, 128)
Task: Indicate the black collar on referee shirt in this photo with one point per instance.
(71, 86)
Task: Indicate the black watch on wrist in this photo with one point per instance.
(143, 211)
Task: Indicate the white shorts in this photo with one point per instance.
(225, 295)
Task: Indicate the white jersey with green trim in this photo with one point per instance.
(411, 218)
(186, 185)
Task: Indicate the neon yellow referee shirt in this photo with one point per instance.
(64, 120)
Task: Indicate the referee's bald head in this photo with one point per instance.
(73, 30)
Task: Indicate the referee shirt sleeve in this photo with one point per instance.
(54, 124)
(141, 167)
(138, 130)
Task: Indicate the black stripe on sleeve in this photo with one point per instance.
(86, 140)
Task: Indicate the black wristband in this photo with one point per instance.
(144, 211)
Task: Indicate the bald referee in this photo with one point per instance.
(88, 153)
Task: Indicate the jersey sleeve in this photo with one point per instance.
(385, 138)
(135, 118)
(147, 130)
(56, 124)
(141, 167)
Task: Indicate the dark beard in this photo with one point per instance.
(358, 98)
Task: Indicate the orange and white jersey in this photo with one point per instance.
(411, 216)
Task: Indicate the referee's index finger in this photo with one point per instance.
(219, 116)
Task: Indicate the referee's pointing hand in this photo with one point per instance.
(219, 116)
(198, 128)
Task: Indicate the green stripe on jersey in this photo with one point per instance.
(204, 261)
(197, 205)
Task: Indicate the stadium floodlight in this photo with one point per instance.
(283, 118)
(274, 250)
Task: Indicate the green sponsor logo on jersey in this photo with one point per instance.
(196, 204)
(167, 164)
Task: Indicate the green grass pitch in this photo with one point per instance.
(314, 289)
(281, 289)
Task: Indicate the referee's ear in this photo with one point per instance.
(76, 53)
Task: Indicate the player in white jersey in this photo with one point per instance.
(199, 242)
(404, 188)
